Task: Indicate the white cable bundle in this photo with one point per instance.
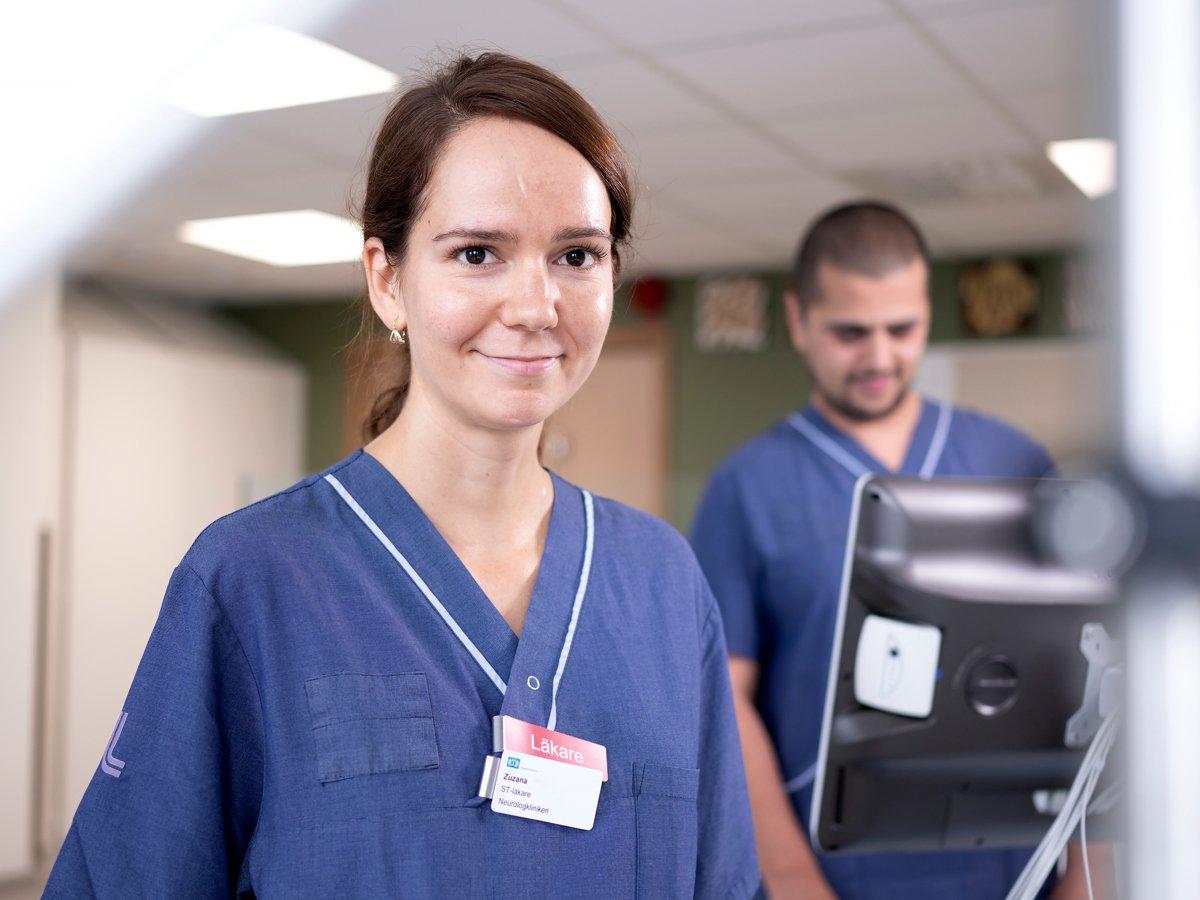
(1072, 813)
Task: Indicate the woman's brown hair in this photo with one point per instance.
(415, 132)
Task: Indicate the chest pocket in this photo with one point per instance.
(665, 806)
(371, 724)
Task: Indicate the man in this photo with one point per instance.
(771, 530)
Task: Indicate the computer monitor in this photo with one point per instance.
(957, 665)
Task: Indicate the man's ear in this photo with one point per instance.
(383, 285)
(797, 321)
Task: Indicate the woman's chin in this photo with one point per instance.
(516, 413)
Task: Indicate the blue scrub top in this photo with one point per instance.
(305, 723)
(770, 535)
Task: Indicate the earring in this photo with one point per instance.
(398, 335)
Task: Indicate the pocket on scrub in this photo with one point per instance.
(371, 724)
(665, 809)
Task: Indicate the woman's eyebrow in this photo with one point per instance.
(574, 234)
(509, 237)
(478, 234)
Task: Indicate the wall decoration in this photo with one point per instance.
(999, 297)
(731, 314)
(649, 296)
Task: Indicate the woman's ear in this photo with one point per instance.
(383, 284)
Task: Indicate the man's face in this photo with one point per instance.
(863, 337)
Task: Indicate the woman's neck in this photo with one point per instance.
(457, 472)
(484, 491)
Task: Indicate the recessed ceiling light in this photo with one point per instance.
(260, 66)
(1090, 164)
(302, 237)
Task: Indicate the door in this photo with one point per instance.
(161, 440)
(613, 438)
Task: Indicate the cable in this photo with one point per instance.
(1064, 825)
(1042, 861)
(1087, 863)
(1092, 772)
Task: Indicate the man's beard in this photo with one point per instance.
(857, 413)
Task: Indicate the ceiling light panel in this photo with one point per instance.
(259, 66)
(1090, 164)
(303, 237)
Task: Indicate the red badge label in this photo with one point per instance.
(523, 737)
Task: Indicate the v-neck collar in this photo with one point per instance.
(920, 459)
(527, 664)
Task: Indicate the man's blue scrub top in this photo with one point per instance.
(770, 535)
(305, 723)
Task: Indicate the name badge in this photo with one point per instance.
(544, 775)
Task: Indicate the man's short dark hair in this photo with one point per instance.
(866, 237)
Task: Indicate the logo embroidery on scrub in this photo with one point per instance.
(110, 765)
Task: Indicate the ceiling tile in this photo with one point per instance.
(773, 211)
(938, 7)
(192, 271)
(329, 190)
(898, 135)
(171, 200)
(676, 23)
(1055, 223)
(340, 132)
(407, 38)
(1055, 114)
(705, 153)
(1022, 46)
(670, 240)
(633, 97)
(236, 147)
(837, 70)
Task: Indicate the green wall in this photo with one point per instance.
(721, 399)
(724, 398)
(314, 335)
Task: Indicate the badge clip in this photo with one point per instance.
(487, 781)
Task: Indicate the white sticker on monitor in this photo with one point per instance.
(896, 666)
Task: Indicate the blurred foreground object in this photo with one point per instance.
(80, 86)
(969, 666)
(1159, 315)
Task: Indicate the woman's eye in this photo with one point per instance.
(476, 256)
(578, 258)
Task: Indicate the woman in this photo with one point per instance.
(340, 672)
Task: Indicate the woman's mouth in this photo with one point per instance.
(522, 365)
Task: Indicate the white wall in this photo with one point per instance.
(1051, 389)
(31, 417)
(173, 421)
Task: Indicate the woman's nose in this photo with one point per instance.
(532, 303)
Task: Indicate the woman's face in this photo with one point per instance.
(506, 286)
